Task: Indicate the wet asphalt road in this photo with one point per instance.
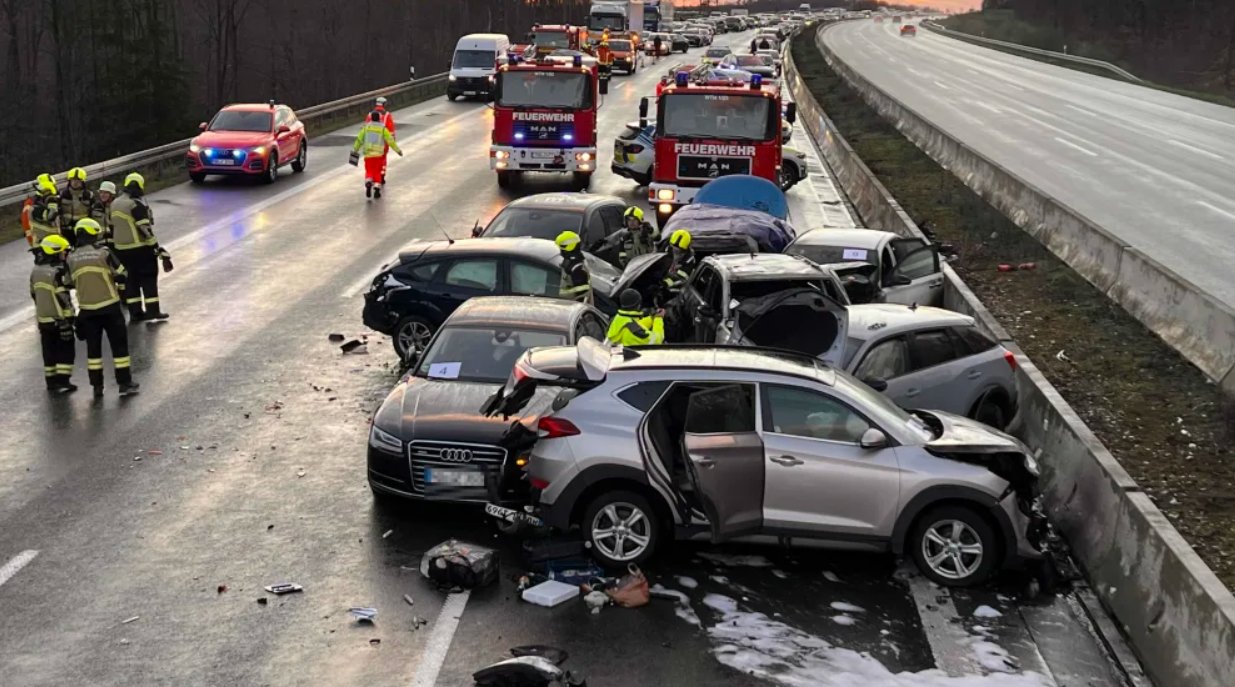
(241, 464)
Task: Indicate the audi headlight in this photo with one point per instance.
(385, 441)
(259, 150)
(194, 148)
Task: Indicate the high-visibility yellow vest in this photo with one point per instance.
(93, 271)
(373, 139)
(51, 297)
(44, 219)
(633, 328)
(131, 223)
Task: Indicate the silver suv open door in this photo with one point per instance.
(725, 459)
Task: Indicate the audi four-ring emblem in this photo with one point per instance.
(456, 455)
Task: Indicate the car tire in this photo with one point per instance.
(990, 411)
(581, 180)
(271, 173)
(452, 97)
(505, 179)
(788, 176)
(972, 560)
(197, 177)
(302, 158)
(614, 550)
(412, 330)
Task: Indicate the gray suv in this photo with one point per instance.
(721, 443)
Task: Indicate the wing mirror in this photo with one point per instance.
(791, 112)
(900, 280)
(202, 126)
(476, 229)
(873, 439)
(875, 383)
(284, 129)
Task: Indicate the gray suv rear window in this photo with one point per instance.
(723, 410)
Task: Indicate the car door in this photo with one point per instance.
(462, 279)
(530, 279)
(818, 479)
(283, 141)
(936, 378)
(590, 324)
(725, 459)
(917, 277)
(696, 323)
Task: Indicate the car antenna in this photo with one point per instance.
(913, 306)
(448, 239)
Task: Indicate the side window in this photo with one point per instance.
(281, 117)
(930, 348)
(707, 285)
(833, 292)
(723, 410)
(527, 279)
(886, 360)
(612, 216)
(970, 341)
(921, 263)
(480, 275)
(594, 232)
(590, 325)
(804, 413)
(418, 272)
(887, 264)
(643, 395)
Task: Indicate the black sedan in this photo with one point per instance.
(592, 216)
(429, 439)
(412, 297)
(680, 43)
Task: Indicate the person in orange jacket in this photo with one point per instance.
(27, 208)
(388, 121)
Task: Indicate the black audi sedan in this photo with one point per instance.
(429, 439)
(594, 217)
(410, 298)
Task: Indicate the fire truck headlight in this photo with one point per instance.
(501, 154)
(664, 208)
(500, 164)
(583, 157)
(664, 194)
(585, 167)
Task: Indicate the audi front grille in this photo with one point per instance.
(445, 454)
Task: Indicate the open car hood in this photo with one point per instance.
(642, 272)
(799, 319)
(963, 435)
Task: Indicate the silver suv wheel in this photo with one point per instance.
(621, 531)
(952, 549)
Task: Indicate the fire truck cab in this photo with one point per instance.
(710, 129)
(550, 37)
(544, 118)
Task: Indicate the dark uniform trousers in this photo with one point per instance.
(59, 352)
(110, 321)
(142, 264)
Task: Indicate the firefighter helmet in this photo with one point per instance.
(680, 239)
(87, 226)
(135, 178)
(107, 187)
(77, 173)
(568, 241)
(54, 244)
(46, 185)
(635, 212)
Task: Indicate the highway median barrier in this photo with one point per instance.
(1176, 614)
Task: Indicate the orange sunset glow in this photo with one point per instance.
(945, 5)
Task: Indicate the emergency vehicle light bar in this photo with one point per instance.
(681, 78)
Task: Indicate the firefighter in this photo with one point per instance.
(638, 237)
(45, 213)
(75, 201)
(27, 209)
(100, 210)
(53, 309)
(137, 248)
(605, 57)
(372, 142)
(576, 283)
(684, 260)
(632, 327)
(99, 277)
(388, 121)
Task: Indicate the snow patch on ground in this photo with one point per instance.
(665, 591)
(844, 620)
(993, 657)
(830, 576)
(986, 612)
(682, 608)
(687, 582)
(768, 649)
(736, 560)
(846, 607)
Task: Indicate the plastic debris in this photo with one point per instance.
(459, 564)
(363, 614)
(300, 472)
(408, 598)
(354, 347)
(550, 593)
(1062, 357)
(336, 338)
(387, 533)
(262, 601)
(284, 588)
(596, 600)
(418, 622)
(221, 589)
(1004, 267)
(1025, 266)
(126, 621)
(375, 641)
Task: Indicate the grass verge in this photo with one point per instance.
(1160, 417)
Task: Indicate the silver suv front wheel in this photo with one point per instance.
(621, 527)
(955, 546)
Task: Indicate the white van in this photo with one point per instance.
(474, 64)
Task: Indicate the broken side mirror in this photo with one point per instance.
(643, 112)
(876, 383)
(284, 129)
(791, 112)
(873, 439)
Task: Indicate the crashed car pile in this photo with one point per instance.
(811, 390)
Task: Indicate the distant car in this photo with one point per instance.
(248, 140)
(594, 217)
(412, 297)
(648, 41)
(757, 65)
(909, 30)
(427, 441)
(774, 57)
(625, 56)
(889, 268)
(634, 153)
(680, 43)
(699, 36)
(896, 19)
(719, 55)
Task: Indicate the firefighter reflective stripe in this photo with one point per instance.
(51, 299)
(93, 273)
(633, 328)
(373, 139)
(65, 369)
(44, 220)
(94, 363)
(131, 226)
(50, 370)
(576, 283)
(75, 205)
(122, 362)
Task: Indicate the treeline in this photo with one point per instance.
(87, 80)
(1184, 43)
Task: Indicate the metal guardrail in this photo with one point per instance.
(960, 35)
(170, 151)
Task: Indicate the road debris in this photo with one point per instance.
(354, 347)
(363, 614)
(1062, 357)
(300, 472)
(550, 593)
(596, 600)
(418, 622)
(459, 564)
(537, 666)
(221, 589)
(374, 641)
(408, 598)
(262, 601)
(284, 588)
(336, 338)
(387, 533)
(126, 621)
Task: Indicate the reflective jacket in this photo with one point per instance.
(132, 223)
(576, 283)
(373, 140)
(635, 243)
(74, 205)
(50, 290)
(44, 218)
(95, 272)
(633, 328)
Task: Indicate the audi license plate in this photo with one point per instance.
(458, 478)
(223, 162)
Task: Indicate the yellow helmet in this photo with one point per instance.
(680, 239)
(77, 173)
(54, 244)
(88, 226)
(567, 241)
(635, 212)
(46, 184)
(135, 178)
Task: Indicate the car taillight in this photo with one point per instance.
(1011, 358)
(555, 428)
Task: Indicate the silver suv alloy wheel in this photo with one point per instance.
(621, 530)
(952, 549)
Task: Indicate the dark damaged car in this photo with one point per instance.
(427, 440)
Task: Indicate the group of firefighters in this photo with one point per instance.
(100, 244)
(633, 325)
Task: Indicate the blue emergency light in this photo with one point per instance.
(756, 81)
(681, 79)
(578, 60)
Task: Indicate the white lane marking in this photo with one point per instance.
(1216, 209)
(15, 565)
(363, 283)
(916, 73)
(1074, 146)
(1200, 151)
(1082, 110)
(27, 313)
(948, 639)
(943, 85)
(987, 106)
(443, 634)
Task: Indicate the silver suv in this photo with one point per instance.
(726, 443)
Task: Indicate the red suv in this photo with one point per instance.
(909, 30)
(249, 140)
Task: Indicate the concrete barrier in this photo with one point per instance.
(1178, 617)
(1191, 321)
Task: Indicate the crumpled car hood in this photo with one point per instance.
(963, 435)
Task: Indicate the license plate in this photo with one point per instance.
(458, 478)
(541, 155)
(224, 163)
(469, 92)
(511, 515)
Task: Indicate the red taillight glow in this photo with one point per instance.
(555, 428)
(538, 483)
(1011, 358)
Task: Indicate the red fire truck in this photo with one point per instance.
(550, 37)
(544, 118)
(710, 129)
